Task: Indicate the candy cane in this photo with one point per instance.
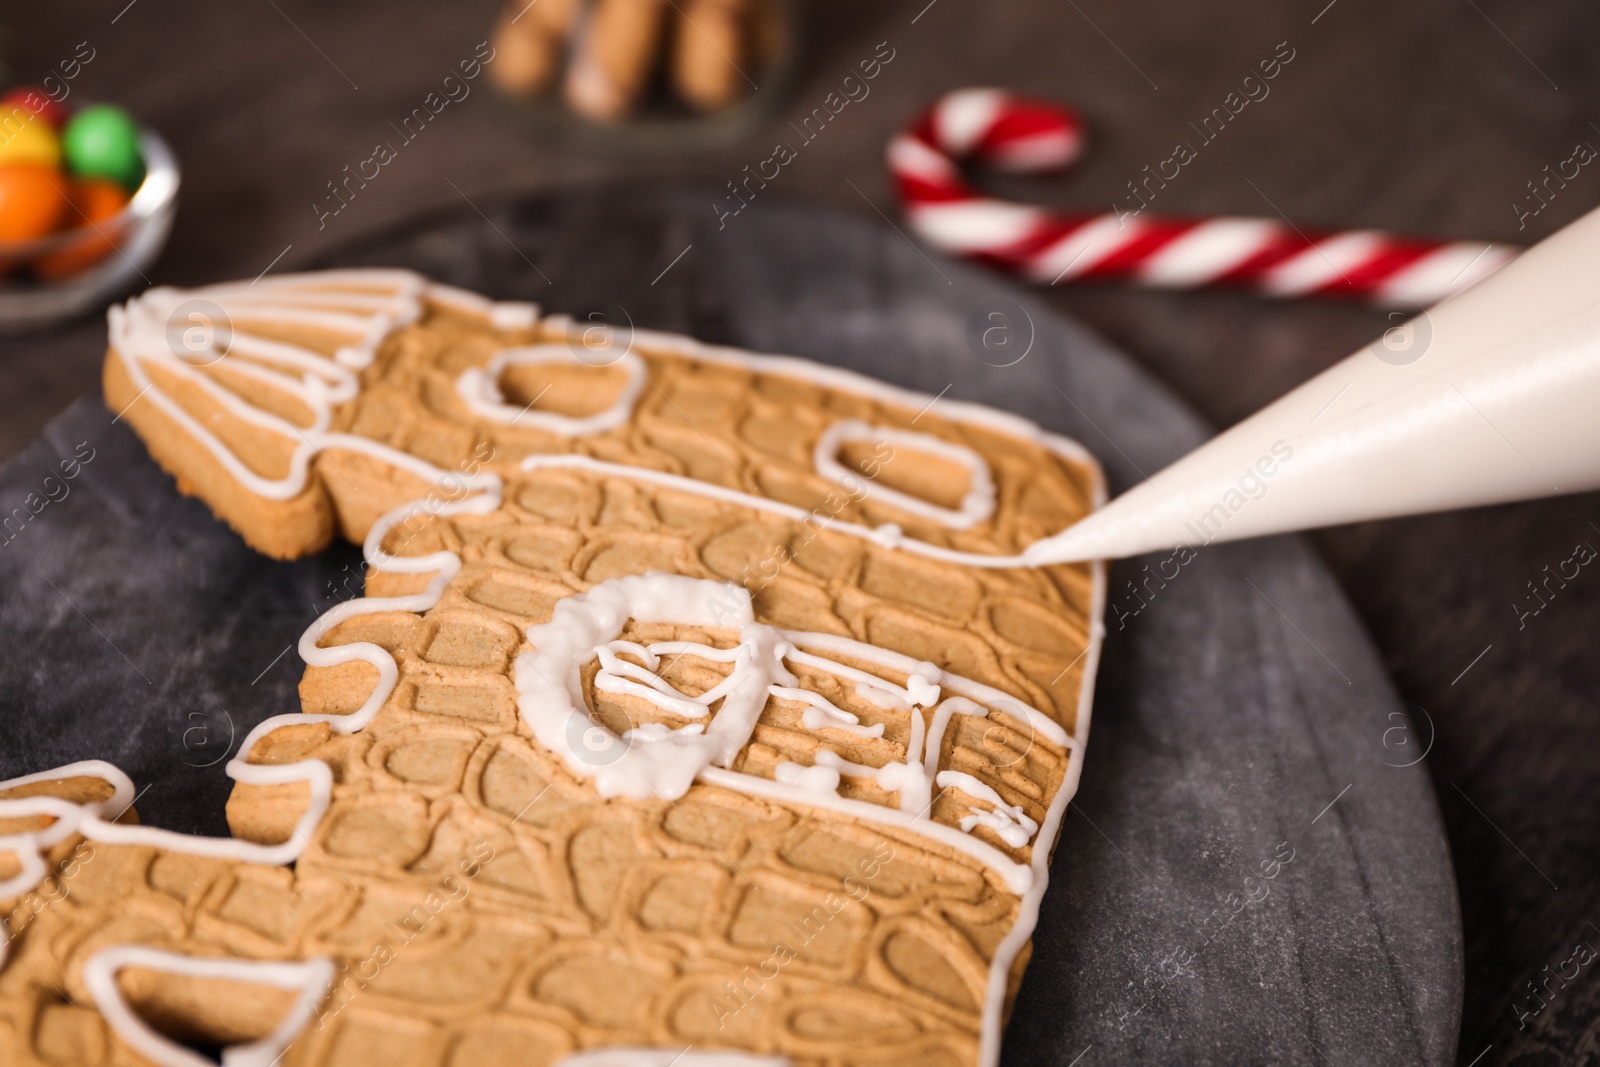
(1005, 131)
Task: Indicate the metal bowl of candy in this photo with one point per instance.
(86, 203)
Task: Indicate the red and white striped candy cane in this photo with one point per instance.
(1016, 133)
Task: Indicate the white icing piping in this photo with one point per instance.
(1008, 821)
(1005, 953)
(479, 389)
(1018, 878)
(820, 777)
(87, 819)
(934, 744)
(29, 847)
(889, 535)
(310, 977)
(857, 384)
(821, 714)
(314, 772)
(977, 505)
(121, 786)
(139, 333)
(549, 680)
(25, 848)
(923, 678)
(614, 677)
(660, 692)
(665, 762)
(502, 314)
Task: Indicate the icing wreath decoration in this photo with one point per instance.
(1005, 131)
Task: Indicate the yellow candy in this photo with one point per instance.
(26, 139)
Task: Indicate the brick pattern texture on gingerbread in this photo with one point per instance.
(700, 708)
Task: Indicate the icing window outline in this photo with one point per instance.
(976, 506)
(479, 390)
(311, 978)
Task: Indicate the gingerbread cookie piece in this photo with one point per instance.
(699, 710)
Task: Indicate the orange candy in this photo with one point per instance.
(94, 201)
(33, 201)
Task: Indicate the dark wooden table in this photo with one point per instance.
(1426, 117)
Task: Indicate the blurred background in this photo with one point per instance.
(1428, 118)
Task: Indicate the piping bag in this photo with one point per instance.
(1491, 396)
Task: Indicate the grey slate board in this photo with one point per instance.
(1241, 711)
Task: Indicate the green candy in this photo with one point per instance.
(103, 142)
